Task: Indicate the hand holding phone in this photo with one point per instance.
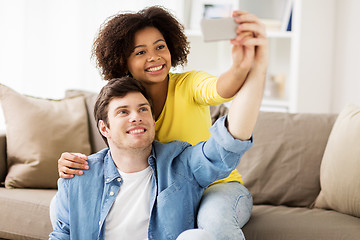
(218, 29)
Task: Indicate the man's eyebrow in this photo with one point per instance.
(159, 40)
(144, 104)
(127, 106)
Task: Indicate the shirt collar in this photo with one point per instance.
(110, 171)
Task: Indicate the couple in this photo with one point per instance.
(164, 181)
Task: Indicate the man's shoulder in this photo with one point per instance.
(98, 157)
(173, 148)
(96, 168)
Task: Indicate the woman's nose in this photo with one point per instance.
(153, 58)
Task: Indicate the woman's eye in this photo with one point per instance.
(161, 47)
(140, 53)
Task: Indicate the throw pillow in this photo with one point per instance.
(96, 141)
(340, 167)
(37, 132)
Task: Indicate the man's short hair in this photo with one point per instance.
(116, 88)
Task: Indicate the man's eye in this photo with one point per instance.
(122, 112)
(144, 109)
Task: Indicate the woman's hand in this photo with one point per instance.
(69, 161)
(249, 52)
(251, 35)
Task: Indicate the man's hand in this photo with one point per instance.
(69, 161)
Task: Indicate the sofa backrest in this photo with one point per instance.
(283, 166)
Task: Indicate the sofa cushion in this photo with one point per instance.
(25, 213)
(290, 223)
(37, 132)
(2, 156)
(283, 166)
(96, 141)
(340, 167)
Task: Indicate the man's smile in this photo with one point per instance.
(137, 130)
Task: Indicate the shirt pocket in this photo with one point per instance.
(176, 210)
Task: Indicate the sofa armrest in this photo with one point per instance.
(3, 165)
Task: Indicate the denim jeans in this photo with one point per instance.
(224, 209)
(195, 234)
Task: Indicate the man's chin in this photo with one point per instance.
(140, 145)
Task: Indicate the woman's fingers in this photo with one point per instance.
(70, 163)
(249, 23)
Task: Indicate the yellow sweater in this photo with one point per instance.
(186, 113)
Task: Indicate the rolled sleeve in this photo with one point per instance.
(221, 154)
(221, 135)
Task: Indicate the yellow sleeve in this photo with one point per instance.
(204, 90)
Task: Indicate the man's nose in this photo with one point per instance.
(135, 117)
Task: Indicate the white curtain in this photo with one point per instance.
(45, 44)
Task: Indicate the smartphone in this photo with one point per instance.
(217, 29)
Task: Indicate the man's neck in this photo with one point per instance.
(131, 160)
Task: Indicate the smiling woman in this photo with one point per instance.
(126, 34)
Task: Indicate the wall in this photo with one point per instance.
(346, 85)
(316, 54)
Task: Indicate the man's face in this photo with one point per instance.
(131, 124)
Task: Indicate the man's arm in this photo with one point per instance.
(245, 106)
(61, 229)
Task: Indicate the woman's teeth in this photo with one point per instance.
(154, 69)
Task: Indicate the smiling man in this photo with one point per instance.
(139, 188)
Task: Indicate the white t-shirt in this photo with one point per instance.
(129, 216)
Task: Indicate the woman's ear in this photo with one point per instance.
(104, 130)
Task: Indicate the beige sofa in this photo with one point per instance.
(282, 171)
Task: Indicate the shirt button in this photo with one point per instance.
(118, 179)
(112, 193)
(99, 223)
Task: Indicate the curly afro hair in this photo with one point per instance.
(115, 40)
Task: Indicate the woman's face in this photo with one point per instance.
(150, 61)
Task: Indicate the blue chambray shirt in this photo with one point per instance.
(181, 172)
